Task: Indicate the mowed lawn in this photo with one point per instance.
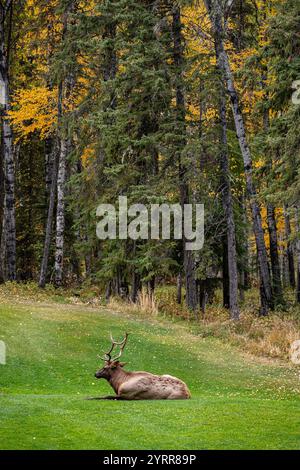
(238, 402)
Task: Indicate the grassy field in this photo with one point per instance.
(238, 402)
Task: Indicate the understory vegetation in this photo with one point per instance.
(270, 336)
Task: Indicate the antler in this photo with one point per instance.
(122, 345)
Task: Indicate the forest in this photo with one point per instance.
(160, 101)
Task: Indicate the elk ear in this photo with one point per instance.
(122, 364)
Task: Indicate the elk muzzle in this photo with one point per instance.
(101, 374)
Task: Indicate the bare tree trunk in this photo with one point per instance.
(241, 286)
(135, 287)
(275, 264)
(3, 254)
(264, 306)
(245, 281)
(289, 248)
(297, 220)
(230, 257)
(108, 291)
(2, 223)
(49, 226)
(179, 289)
(88, 264)
(203, 296)
(151, 286)
(188, 258)
(216, 15)
(190, 281)
(271, 219)
(48, 164)
(225, 272)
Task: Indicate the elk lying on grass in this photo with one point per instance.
(139, 385)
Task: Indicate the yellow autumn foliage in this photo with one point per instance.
(34, 110)
(87, 155)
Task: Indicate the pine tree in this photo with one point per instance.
(188, 258)
(282, 53)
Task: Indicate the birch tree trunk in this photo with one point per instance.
(215, 12)
(60, 212)
(65, 87)
(9, 211)
(8, 153)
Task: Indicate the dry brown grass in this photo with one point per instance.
(270, 336)
(145, 305)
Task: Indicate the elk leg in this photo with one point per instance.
(115, 397)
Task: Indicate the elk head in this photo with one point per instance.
(112, 363)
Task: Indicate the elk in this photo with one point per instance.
(138, 385)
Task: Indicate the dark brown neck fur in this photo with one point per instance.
(118, 376)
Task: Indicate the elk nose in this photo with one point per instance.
(96, 375)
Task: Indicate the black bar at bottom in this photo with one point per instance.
(138, 458)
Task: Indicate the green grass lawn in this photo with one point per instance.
(237, 402)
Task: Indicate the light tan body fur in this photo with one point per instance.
(146, 386)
